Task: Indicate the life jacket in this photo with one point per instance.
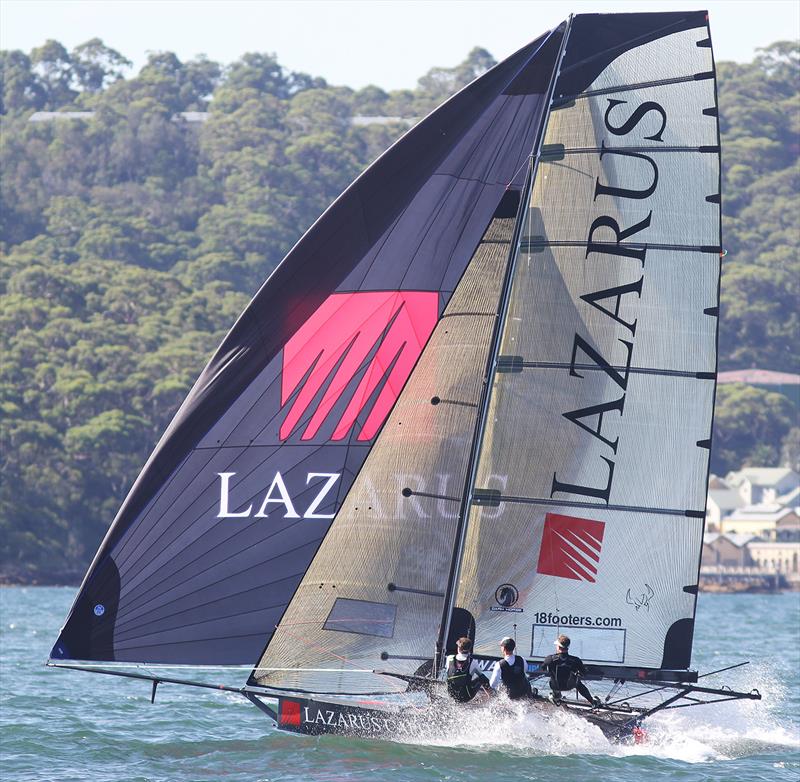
(564, 670)
(514, 679)
(459, 679)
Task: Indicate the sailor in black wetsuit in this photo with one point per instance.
(510, 672)
(464, 676)
(565, 671)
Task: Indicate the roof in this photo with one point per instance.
(726, 499)
(760, 377)
(792, 499)
(766, 511)
(761, 476)
(739, 539)
(710, 537)
(49, 116)
(715, 482)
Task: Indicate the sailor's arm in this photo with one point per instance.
(495, 679)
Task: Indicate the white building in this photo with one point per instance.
(758, 485)
(769, 521)
(721, 502)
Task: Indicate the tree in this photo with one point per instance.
(53, 65)
(96, 65)
(749, 426)
(790, 449)
(20, 90)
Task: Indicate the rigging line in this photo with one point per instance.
(698, 375)
(147, 666)
(514, 175)
(559, 102)
(472, 465)
(306, 643)
(533, 243)
(596, 505)
(642, 149)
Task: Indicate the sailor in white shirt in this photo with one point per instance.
(510, 672)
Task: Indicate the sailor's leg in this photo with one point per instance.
(584, 690)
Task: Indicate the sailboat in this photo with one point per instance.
(475, 398)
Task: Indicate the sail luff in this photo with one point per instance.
(472, 469)
(716, 333)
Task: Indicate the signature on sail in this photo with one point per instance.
(643, 600)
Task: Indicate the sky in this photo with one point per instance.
(390, 43)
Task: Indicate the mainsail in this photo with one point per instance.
(480, 386)
(601, 405)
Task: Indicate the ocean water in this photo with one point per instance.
(60, 725)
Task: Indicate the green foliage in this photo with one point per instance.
(760, 123)
(749, 426)
(132, 239)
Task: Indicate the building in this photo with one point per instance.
(721, 502)
(726, 550)
(763, 484)
(777, 557)
(765, 520)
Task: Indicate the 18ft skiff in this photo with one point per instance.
(475, 398)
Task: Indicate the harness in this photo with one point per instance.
(514, 679)
(459, 679)
(564, 672)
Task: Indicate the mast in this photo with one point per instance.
(469, 487)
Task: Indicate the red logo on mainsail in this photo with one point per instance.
(570, 547)
(381, 333)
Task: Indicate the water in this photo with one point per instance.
(59, 726)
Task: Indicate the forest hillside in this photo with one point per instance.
(137, 225)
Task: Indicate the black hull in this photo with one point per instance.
(319, 717)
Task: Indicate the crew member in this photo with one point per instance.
(565, 672)
(464, 676)
(510, 672)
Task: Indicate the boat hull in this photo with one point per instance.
(376, 720)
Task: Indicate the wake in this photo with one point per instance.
(721, 731)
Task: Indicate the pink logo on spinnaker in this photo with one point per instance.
(379, 332)
(570, 547)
